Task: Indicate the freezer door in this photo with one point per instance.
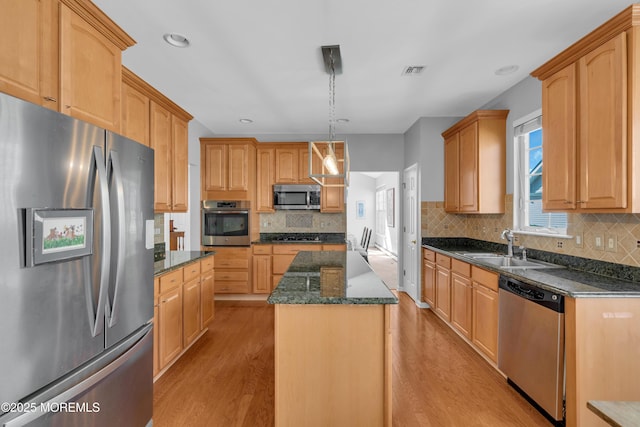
(130, 171)
(114, 390)
(48, 312)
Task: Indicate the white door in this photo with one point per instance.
(410, 232)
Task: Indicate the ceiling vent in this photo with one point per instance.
(413, 70)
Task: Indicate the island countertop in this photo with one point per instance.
(331, 277)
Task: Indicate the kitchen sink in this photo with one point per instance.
(506, 262)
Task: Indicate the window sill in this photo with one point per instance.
(542, 234)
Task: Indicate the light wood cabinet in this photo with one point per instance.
(207, 282)
(475, 163)
(428, 286)
(443, 287)
(461, 297)
(232, 270)
(262, 280)
(152, 119)
(287, 165)
(170, 317)
(64, 55)
(29, 68)
(228, 169)
(265, 178)
(337, 247)
(270, 262)
(332, 198)
(191, 311)
(485, 311)
(590, 112)
(135, 114)
(156, 326)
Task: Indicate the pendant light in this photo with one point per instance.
(327, 158)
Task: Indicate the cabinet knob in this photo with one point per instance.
(50, 99)
(67, 106)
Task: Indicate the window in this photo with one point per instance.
(528, 214)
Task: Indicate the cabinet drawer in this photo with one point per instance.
(294, 249)
(261, 249)
(428, 255)
(206, 264)
(170, 281)
(461, 267)
(231, 263)
(485, 278)
(443, 261)
(191, 271)
(339, 247)
(232, 275)
(230, 287)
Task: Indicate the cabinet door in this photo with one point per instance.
(191, 311)
(443, 292)
(468, 169)
(451, 173)
(262, 274)
(287, 165)
(559, 146)
(207, 291)
(303, 166)
(215, 175)
(161, 144)
(332, 198)
(29, 66)
(461, 304)
(170, 326)
(238, 168)
(265, 179)
(180, 165)
(90, 71)
(135, 114)
(485, 320)
(603, 126)
(429, 282)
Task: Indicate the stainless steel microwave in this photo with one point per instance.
(296, 196)
(225, 223)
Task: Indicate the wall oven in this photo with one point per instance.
(225, 223)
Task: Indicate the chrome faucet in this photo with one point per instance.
(524, 253)
(507, 234)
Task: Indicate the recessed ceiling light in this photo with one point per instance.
(177, 40)
(245, 121)
(342, 120)
(509, 69)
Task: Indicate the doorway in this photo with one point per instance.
(410, 232)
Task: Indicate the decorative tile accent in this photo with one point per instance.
(288, 222)
(299, 221)
(624, 227)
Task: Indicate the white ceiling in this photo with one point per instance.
(261, 59)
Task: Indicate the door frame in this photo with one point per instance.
(406, 209)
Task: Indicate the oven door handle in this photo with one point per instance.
(227, 212)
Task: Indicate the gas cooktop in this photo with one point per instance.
(295, 238)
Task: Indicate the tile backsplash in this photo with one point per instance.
(621, 230)
(302, 222)
(158, 224)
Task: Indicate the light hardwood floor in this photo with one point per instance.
(226, 379)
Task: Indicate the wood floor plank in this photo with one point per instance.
(227, 377)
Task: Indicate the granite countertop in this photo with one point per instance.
(309, 238)
(616, 413)
(177, 259)
(569, 281)
(330, 277)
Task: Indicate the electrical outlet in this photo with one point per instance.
(579, 239)
(611, 243)
(598, 242)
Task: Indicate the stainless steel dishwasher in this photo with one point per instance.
(531, 344)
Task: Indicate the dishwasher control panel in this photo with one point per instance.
(532, 293)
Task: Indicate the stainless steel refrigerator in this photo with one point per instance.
(76, 272)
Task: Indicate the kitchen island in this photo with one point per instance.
(332, 342)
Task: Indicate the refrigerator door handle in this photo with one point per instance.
(118, 186)
(96, 315)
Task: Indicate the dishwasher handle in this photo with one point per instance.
(533, 293)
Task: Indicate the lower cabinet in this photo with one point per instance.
(262, 271)
(485, 311)
(232, 270)
(184, 305)
(465, 297)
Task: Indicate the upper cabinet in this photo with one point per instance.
(152, 119)
(51, 67)
(590, 112)
(228, 168)
(265, 177)
(292, 164)
(475, 163)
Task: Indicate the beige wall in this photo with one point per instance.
(625, 228)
